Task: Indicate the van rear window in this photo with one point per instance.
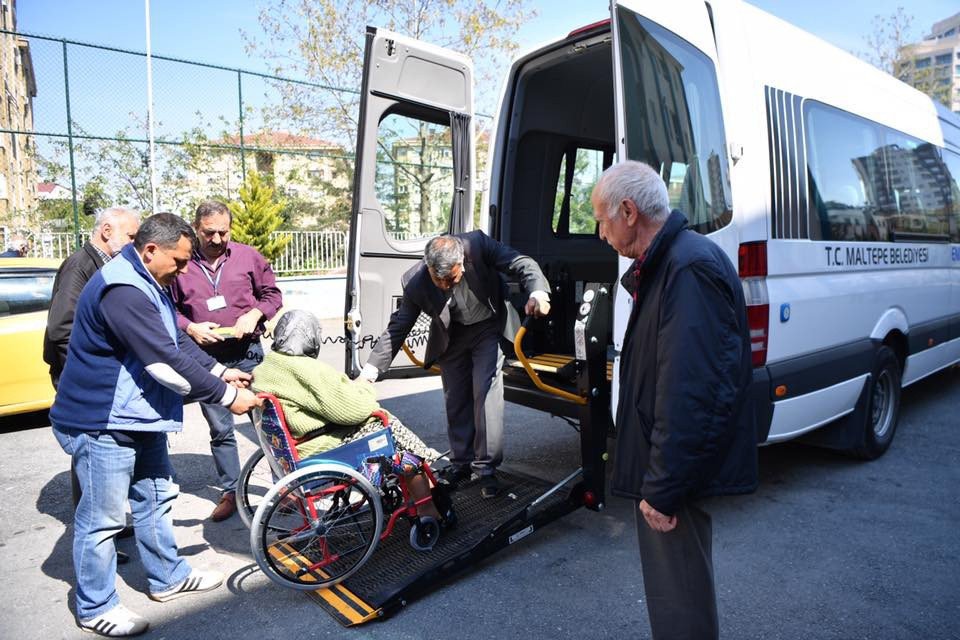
(580, 168)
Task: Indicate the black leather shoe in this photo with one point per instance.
(454, 473)
(489, 487)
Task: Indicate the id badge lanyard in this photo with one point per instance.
(217, 301)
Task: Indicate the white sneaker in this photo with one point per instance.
(119, 622)
(197, 582)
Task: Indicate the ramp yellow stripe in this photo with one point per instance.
(344, 601)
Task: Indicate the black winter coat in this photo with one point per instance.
(685, 428)
(72, 275)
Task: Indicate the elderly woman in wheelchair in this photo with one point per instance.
(334, 472)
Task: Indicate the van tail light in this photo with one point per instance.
(752, 259)
(589, 27)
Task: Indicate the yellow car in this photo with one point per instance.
(25, 289)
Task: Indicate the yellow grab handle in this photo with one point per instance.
(415, 360)
(566, 395)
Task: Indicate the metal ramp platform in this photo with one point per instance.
(397, 574)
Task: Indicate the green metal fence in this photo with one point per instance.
(83, 137)
(81, 142)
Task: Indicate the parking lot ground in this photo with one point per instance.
(828, 547)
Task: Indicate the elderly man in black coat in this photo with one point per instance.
(460, 285)
(685, 428)
(113, 229)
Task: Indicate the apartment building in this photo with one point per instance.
(18, 172)
(936, 61)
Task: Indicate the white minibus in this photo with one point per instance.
(831, 185)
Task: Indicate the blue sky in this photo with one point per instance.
(209, 30)
(108, 92)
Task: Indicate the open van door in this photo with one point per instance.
(413, 179)
(668, 114)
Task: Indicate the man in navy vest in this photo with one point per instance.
(120, 393)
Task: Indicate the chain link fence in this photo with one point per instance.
(74, 138)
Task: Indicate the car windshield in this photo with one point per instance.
(25, 291)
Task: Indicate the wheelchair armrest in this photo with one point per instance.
(383, 416)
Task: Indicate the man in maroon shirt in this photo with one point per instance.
(229, 285)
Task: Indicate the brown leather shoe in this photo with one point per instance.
(226, 507)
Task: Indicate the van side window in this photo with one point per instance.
(952, 161)
(580, 169)
(414, 176)
(916, 194)
(869, 182)
(845, 164)
(673, 119)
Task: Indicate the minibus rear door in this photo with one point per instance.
(413, 179)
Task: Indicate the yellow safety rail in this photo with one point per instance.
(415, 360)
(543, 386)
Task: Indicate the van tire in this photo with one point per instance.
(883, 406)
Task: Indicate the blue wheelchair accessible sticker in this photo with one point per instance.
(784, 312)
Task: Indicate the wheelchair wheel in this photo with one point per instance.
(424, 533)
(255, 481)
(316, 526)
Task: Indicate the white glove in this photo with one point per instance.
(369, 373)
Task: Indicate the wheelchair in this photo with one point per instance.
(323, 516)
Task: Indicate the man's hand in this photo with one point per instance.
(245, 401)
(237, 378)
(537, 307)
(656, 520)
(203, 334)
(247, 323)
(369, 373)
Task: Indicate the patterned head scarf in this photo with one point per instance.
(297, 333)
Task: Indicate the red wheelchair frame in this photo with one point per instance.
(340, 493)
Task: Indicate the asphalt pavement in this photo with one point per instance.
(828, 547)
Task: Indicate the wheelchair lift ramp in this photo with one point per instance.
(552, 363)
(396, 573)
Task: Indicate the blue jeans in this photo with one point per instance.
(223, 439)
(110, 473)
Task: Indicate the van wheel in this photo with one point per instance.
(883, 409)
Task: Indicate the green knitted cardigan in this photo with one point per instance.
(313, 395)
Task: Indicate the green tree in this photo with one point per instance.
(322, 41)
(256, 215)
(891, 47)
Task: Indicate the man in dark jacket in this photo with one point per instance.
(17, 247)
(113, 229)
(460, 286)
(685, 429)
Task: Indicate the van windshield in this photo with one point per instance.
(673, 119)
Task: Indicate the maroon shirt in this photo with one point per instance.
(245, 281)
